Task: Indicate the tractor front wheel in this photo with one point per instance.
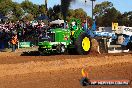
(61, 49)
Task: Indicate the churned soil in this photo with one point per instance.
(61, 71)
(94, 46)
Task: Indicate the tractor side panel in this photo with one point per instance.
(63, 36)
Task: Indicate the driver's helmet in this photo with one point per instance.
(73, 23)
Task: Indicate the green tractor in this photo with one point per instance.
(61, 40)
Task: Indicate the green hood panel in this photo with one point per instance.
(45, 44)
(60, 30)
(50, 44)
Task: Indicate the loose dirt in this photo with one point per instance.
(61, 71)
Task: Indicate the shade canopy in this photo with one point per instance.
(2, 17)
(43, 17)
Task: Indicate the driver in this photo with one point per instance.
(74, 26)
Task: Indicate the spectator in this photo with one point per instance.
(14, 42)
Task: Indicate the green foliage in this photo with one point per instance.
(110, 16)
(104, 12)
(17, 10)
(100, 9)
(35, 11)
(5, 6)
(42, 9)
(28, 17)
(77, 13)
(27, 6)
(126, 19)
(55, 12)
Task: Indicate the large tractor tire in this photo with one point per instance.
(71, 51)
(129, 46)
(83, 44)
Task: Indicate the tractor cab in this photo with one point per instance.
(54, 26)
(57, 24)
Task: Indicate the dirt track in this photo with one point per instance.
(61, 71)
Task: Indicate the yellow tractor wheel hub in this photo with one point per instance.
(86, 44)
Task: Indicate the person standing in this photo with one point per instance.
(14, 42)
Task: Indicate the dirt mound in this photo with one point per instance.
(94, 48)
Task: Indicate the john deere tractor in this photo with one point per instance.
(61, 40)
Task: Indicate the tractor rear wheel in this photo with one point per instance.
(83, 44)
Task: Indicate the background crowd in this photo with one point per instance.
(28, 31)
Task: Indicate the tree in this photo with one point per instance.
(17, 10)
(126, 19)
(42, 9)
(77, 13)
(28, 17)
(70, 14)
(80, 14)
(11, 9)
(50, 13)
(35, 10)
(110, 16)
(27, 6)
(100, 9)
(130, 18)
(106, 14)
(5, 6)
(55, 12)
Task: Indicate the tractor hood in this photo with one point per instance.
(45, 44)
(58, 30)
